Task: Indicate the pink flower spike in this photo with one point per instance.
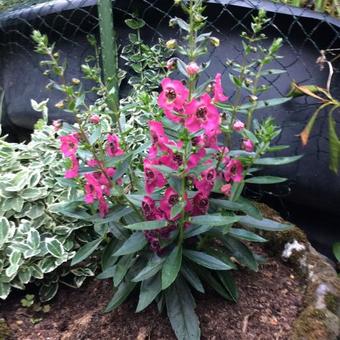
(202, 115)
(69, 145)
(73, 172)
(173, 96)
(171, 198)
(192, 68)
(196, 158)
(238, 126)
(112, 146)
(94, 119)
(234, 171)
(218, 90)
(248, 145)
(153, 178)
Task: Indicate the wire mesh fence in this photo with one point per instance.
(68, 22)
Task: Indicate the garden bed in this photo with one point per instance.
(293, 299)
(269, 303)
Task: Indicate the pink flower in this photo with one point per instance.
(173, 96)
(69, 145)
(202, 115)
(92, 189)
(206, 183)
(112, 146)
(94, 119)
(74, 170)
(149, 208)
(248, 145)
(195, 158)
(234, 171)
(200, 204)
(171, 159)
(238, 126)
(218, 90)
(171, 198)
(57, 124)
(177, 116)
(153, 178)
(226, 189)
(103, 208)
(192, 68)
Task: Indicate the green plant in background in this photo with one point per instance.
(331, 7)
(249, 75)
(327, 102)
(36, 245)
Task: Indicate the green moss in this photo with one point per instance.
(331, 302)
(310, 325)
(5, 331)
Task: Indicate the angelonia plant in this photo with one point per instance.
(170, 214)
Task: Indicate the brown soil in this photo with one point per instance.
(270, 301)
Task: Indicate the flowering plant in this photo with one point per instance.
(171, 212)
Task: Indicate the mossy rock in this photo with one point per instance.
(5, 331)
(316, 324)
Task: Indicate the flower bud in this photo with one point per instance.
(60, 105)
(94, 119)
(57, 124)
(248, 145)
(192, 68)
(238, 126)
(215, 41)
(75, 81)
(171, 44)
(171, 64)
(177, 2)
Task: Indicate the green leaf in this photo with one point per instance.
(180, 306)
(135, 24)
(277, 160)
(241, 252)
(5, 289)
(54, 247)
(265, 180)
(122, 267)
(264, 224)
(95, 135)
(148, 225)
(206, 260)
(246, 235)
(336, 250)
(241, 204)
(4, 230)
(153, 267)
(192, 277)
(149, 290)
(207, 276)
(134, 243)
(107, 273)
(123, 291)
(85, 251)
(196, 230)
(171, 267)
(334, 145)
(48, 291)
(177, 209)
(229, 284)
(214, 220)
